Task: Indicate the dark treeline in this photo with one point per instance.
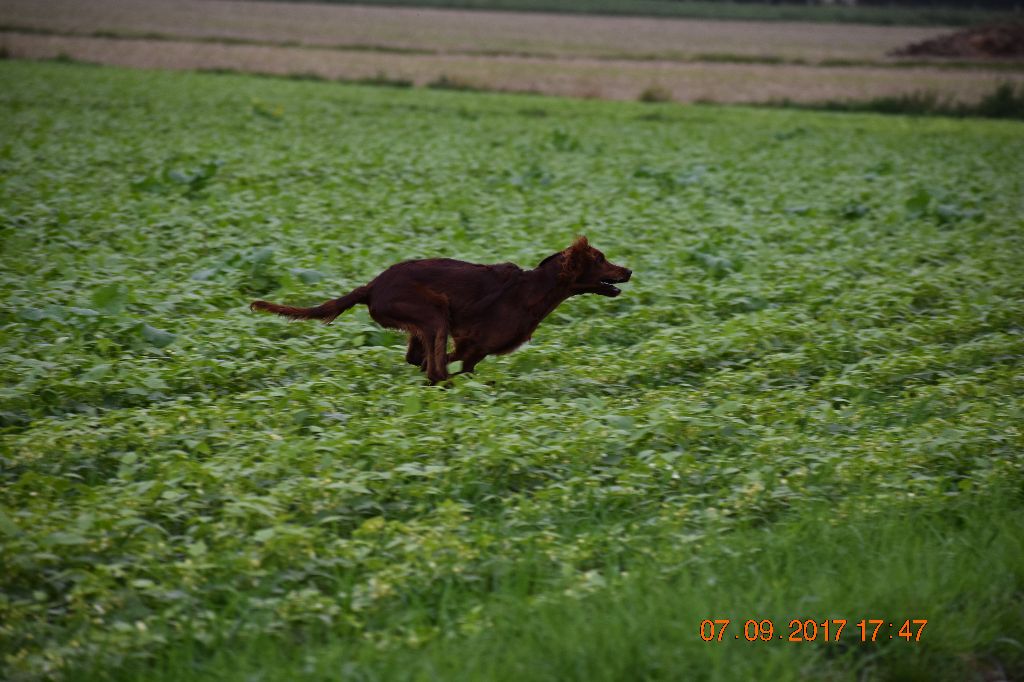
(1004, 5)
(881, 12)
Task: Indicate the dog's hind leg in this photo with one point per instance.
(415, 354)
(427, 326)
(437, 352)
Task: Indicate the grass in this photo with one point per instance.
(747, 11)
(445, 82)
(655, 94)
(1005, 101)
(646, 623)
(381, 80)
(822, 341)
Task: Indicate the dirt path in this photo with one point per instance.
(436, 30)
(580, 77)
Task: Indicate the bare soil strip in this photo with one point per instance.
(610, 79)
(455, 31)
(983, 65)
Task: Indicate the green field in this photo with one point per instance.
(807, 403)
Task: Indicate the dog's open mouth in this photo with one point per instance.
(608, 288)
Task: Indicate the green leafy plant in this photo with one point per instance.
(172, 178)
(809, 392)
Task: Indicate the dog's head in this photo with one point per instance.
(586, 271)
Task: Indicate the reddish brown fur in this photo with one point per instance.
(486, 309)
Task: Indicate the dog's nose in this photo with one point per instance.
(629, 273)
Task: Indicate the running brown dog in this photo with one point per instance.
(487, 309)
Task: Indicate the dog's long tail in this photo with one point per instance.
(326, 311)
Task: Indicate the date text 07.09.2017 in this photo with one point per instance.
(810, 630)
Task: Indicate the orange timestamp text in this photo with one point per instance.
(811, 630)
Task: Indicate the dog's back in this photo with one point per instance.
(463, 285)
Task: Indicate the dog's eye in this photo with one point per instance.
(600, 258)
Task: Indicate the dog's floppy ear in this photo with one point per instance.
(575, 258)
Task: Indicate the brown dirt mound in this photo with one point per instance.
(997, 41)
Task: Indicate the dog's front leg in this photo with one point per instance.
(469, 355)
